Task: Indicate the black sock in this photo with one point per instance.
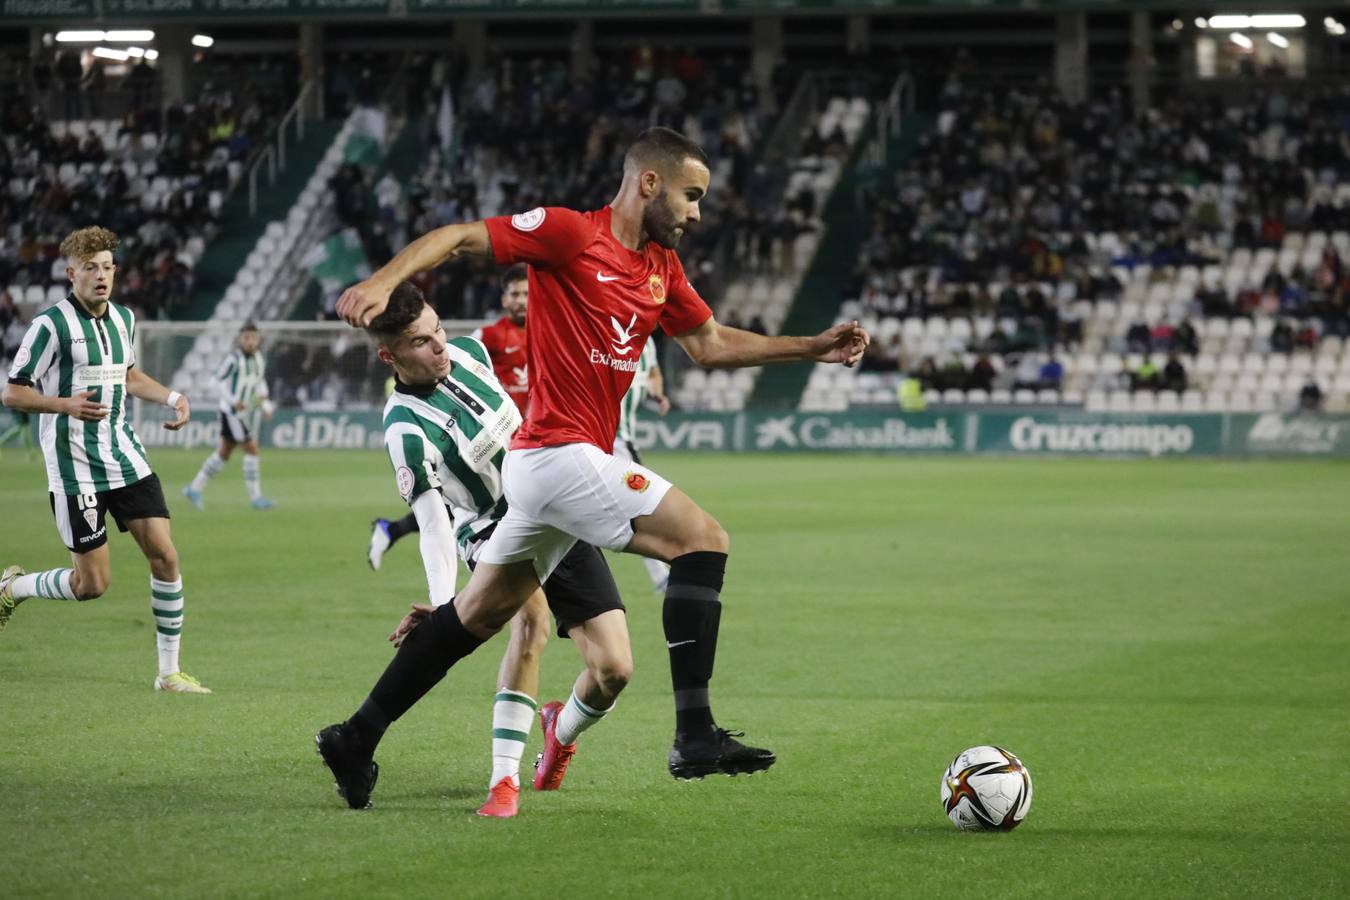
(426, 655)
(404, 526)
(691, 614)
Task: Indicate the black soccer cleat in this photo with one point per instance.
(354, 770)
(722, 754)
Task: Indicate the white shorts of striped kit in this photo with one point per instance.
(557, 495)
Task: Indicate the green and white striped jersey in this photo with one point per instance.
(66, 352)
(452, 437)
(241, 379)
(637, 392)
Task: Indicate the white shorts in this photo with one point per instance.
(557, 495)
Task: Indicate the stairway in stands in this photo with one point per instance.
(817, 301)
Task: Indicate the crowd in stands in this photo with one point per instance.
(529, 133)
(1019, 205)
(156, 178)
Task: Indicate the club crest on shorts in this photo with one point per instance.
(657, 287)
(636, 481)
(91, 516)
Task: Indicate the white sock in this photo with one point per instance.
(659, 571)
(54, 584)
(210, 469)
(512, 716)
(253, 476)
(575, 718)
(166, 602)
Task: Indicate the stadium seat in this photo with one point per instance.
(977, 395)
(1168, 402)
(1239, 401)
(1000, 396)
(1144, 401)
(1192, 401)
(1216, 401)
(1096, 401)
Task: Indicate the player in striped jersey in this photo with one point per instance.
(447, 425)
(505, 342)
(647, 382)
(241, 383)
(76, 367)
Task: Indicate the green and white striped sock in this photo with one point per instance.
(512, 716)
(210, 469)
(575, 718)
(253, 476)
(166, 602)
(53, 584)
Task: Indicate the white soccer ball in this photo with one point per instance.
(986, 789)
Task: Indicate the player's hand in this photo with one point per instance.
(841, 344)
(662, 403)
(240, 406)
(362, 302)
(182, 411)
(81, 407)
(416, 613)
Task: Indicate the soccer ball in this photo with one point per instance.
(986, 789)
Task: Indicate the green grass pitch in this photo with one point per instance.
(1165, 644)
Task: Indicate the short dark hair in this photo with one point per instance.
(405, 305)
(249, 325)
(518, 272)
(662, 149)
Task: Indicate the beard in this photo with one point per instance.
(659, 222)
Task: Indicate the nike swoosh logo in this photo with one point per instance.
(600, 276)
(679, 643)
(511, 349)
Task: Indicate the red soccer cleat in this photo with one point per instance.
(502, 801)
(551, 765)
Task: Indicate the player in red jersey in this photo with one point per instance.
(600, 283)
(505, 338)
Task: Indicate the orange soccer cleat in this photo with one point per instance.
(551, 765)
(503, 800)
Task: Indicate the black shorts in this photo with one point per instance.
(580, 588)
(80, 517)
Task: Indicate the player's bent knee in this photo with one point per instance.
(89, 588)
(613, 675)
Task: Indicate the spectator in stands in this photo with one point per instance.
(1174, 374)
(1282, 337)
(1144, 378)
(1051, 374)
(1139, 338)
(982, 374)
(1185, 340)
(926, 374)
(1310, 397)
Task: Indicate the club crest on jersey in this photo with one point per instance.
(529, 220)
(21, 358)
(636, 481)
(657, 287)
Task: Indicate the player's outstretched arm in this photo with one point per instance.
(23, 398)
(716, 346)
(362, 302)
(143, 386)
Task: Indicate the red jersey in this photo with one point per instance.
(593, 304)
(505, 341)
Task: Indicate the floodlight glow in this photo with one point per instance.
(1278, 40)
(1200, 22)
(1241, 40)
(136, 52)
(152, 54)
(110, 53)
(79, 37)
(1229, 21)
(202, 40)
(136, 37)
(1278, 20)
